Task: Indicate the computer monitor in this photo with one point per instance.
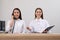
(2, 25)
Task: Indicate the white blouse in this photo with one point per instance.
(18, 28)
(38, 25)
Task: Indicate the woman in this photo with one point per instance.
(16, 24)
(38, 25)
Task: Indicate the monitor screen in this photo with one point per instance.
(2, 25)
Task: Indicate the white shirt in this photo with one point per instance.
(38, 25)
(18, 28)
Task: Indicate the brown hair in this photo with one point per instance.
(41, 11)
(20, 17)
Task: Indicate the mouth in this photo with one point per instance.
(16, 16)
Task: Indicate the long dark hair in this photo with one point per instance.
(41, 11)
(20, 17)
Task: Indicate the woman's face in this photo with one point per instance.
(38, 13)
(16, 14)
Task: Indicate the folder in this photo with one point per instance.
(48, 28)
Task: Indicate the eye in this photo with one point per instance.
(17, 12)
(39, 12)
(14, 12)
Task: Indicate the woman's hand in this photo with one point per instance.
(45, 31)
(29, 28)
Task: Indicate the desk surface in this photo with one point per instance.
(30, 36)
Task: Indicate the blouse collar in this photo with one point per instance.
(38, 19)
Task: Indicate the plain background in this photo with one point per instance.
(51, 10)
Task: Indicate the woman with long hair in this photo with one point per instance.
(16, 24)
(39, 24)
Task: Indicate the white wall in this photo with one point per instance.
(51, 9)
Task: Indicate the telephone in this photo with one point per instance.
(13, 17)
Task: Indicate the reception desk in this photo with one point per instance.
(30, 36)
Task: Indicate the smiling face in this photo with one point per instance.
(16, 14)
(38, 13)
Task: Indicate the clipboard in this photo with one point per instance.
(48, 28)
